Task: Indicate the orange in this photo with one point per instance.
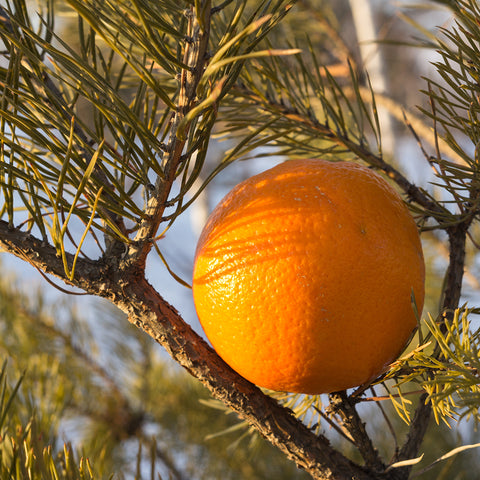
(303, 276)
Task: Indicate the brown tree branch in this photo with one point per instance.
(151, 313)
(453, 287)
(324, 131)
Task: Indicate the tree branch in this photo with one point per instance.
(195, 56)
(413, 192)
(345, 406)
(453, 286)
(151, 313)
(147, 310)
(44, 258)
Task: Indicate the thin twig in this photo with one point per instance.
(342, 432)
(414, 193)
(381, 398)
(387, 420)
(343, 405)
(453, 286)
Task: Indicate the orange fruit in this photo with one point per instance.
(303, 276)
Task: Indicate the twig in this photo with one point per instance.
(195, 56)
(387, 421)
(453, 285)
(413, 192)
(343, 405)
(381, 398)
(342, 432)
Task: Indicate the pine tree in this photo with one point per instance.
(104, 146)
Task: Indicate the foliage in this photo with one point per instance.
(446, 365)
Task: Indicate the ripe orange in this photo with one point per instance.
(303, 276)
